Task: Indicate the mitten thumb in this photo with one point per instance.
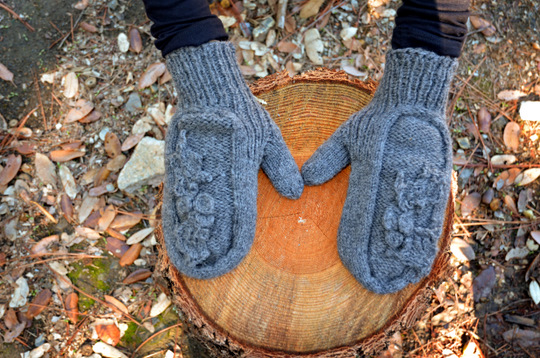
(328, 160)
(280, 166)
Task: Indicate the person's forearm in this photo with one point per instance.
(439, 26)
(181, 23)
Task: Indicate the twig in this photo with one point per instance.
(14, 14)
(498, 166)
(281, 12)
(45, 126)
(154, 335)
(72, 28)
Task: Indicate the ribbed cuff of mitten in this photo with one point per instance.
(415, 77)
(206, 75)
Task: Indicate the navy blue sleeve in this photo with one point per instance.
(438, 26)
(181, 23)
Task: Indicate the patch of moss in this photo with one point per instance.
(93, 278)
(130, 338)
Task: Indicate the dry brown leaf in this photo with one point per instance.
(10, 336)
(71, 85)
(112, 145)
(116, 303)
(135, 41)
(108, 333)
(45, 169)
(311, 8)
(131, 255)
(107, 216)
(82, 109)
(115, 234)
(76, 144)
(484, 25)
(165, 78)
(10, 319)
(290, 24)
(511, 136)
(511, 204)
(512, 175)
(102, 175)
(72, 307)
(26, 148)
(41, 246)
(287, 47)
(23, 132)
(39, 303)
(91, 117)
(131, 141)
(116, 247)
(136, 276)
(5, 74)
(2, 259)
(99, 190)
(484, 120)
(126, 221)
(65, 155)
(92, 220)
(88, 27)
(117, 163)
(151, 75)
(11, 169)
(67, 207)
(81, 5)
(139, 235)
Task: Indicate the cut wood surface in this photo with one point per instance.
(291, 295)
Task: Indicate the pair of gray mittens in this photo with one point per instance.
(398, 147)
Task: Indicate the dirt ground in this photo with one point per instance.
(70, 195)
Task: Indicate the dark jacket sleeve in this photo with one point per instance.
(435, 25)
(439, 26)
(180, 23)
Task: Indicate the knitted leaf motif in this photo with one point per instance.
(410, 230)
(195, 208)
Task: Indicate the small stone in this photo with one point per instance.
(488, 196)
(38, 352)
(464, 143)
(107, 351)
(462, 250)
(260, 31)
(134, 103)
(123, 42)
(517, 253)
(530, 111)
(161, 305)
(103, 133)
(18, 298)
(532, 245)
(483, 284)
(145, 167)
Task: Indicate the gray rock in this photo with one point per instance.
(145, 167)
(134, 103)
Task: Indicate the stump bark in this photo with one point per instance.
(291, 295)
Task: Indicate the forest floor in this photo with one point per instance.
(77, 248)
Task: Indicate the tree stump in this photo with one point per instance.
(291, 295)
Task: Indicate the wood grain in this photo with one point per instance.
(291, 293)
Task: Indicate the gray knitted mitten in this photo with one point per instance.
(217, 140)
(400, 152)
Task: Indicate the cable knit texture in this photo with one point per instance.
(400, 152)
(218, 139)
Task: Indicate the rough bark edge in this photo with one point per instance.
(319, 75)
(224, 346)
